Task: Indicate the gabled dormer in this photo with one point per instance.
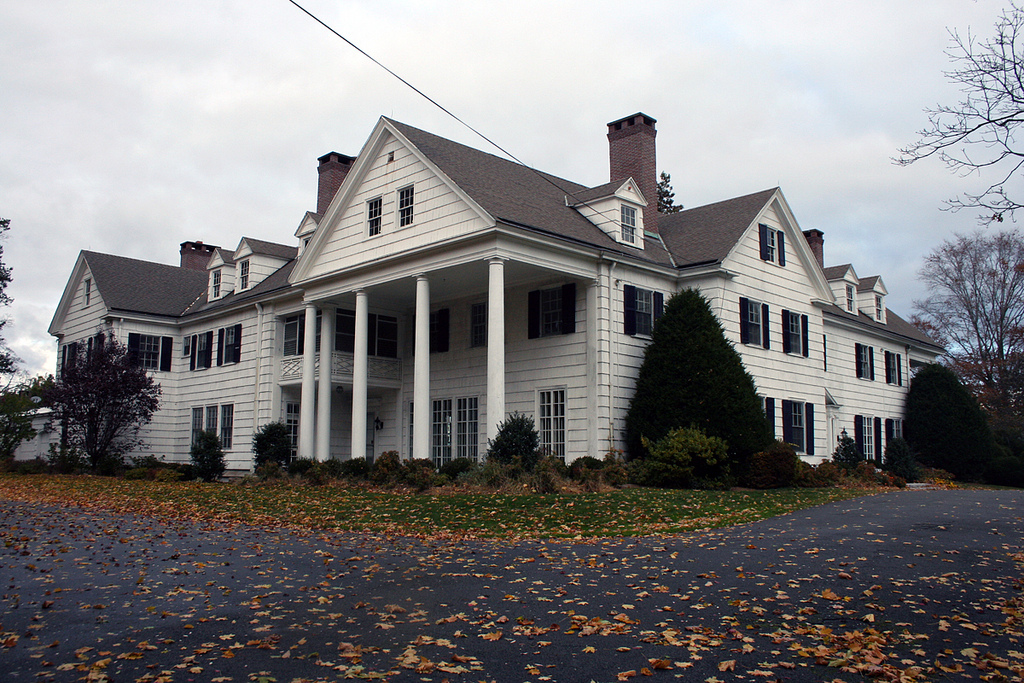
(307, 227)
(256, 259)
(844, 282)
(871, 298)
(221, 270)
(616, 208)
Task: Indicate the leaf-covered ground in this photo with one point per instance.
(914, 585)
(630, 512)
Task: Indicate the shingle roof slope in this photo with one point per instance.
(128, 284)
(519, 195)
(706, 234)
(836, 272)
(281, 251)
(276, 280)
(867, 283)
(894, 324)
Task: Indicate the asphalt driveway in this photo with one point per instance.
(914, 583)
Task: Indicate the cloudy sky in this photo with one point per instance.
(130, 126)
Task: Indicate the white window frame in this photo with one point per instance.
(88, 290)
(627, 222)
(772, 245)
(478, 325)
(467, 427)
(551, 410)
(406, 205)
(197, 423)
(216, 284)
(867, 428)
(798, 425)
(753, 322)
(795, 331)
(243, 274)
(374, 216)
(850, 301)
(643, 320)
(292, 411)
(551, 312)
(879, 315)
(864, 361)
(227, 425)
(441, 417)
(211, 419)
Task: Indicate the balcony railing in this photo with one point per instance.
(388, 370)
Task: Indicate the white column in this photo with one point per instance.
(359, 371)
(593, 374)
(323, 406)
(307, 413)
(421, 377)
(495, 345)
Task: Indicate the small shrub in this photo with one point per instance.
(548, 475)
(454, 469)
(900, 460)
(34, 466)
(935, 475)
(167, 474)
(272, 443)
(188, 471)
(491, 474)
(580, 467)
(149, 462)
(772, 468)
(822, 475)
(387, 469)
(269, 470)
(208, 456)
(1006, 470)
(67, 460)
(300, 466)
(863, 472)
(420, 473)
(517, 443)
(355, 468)
(847, 455)
(332, 468)
(138, 473)
(686, 458)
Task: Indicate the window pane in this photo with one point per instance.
(550, 312)
(211, 419)
(373, 212)
(387, 336)
(405, 206)
(345, 332)
(441, 432)
(478, 325)
(227, 425)
(644, 311)
(552, 422)
(467, 428)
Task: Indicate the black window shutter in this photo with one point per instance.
(781, 241)
(899, 369)
(763, 235)
(133, 347)
(439, 344)
(300, 347)
(220, 346)
(787, 421)
(569, 308)
(533, 314)
(765, 337)
(805, 336)
(237, 351)
(208, 356)
(371, 334)
(63, 356)
(878, 439)
(858, 432)
(769, 414)
(192, 356)
(871, 362)
(629, 302)
(786, 345)
(888, 366)
(166, 344)
(856, 357)
(809, 428)
(659, 305)
(744, 311)
(888, 430)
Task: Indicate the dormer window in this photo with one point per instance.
(879, 309)
(216, 284)
(628, 224)
(243, 275)
(849, 298)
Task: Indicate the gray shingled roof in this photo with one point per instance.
(275, 281)
(281, 251)
(867, 283)
(706, 234)
(128, 284)
(836, 272)
(515, 194)
(894, 324)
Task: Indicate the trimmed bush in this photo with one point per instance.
(822, 475)
(582, 467)
(300, 466)
(208, 456)
(847, 456)
(420, 473)
(453, 469)
(272, 443)
(692, 375)
(167, 474)
(686, 458)
(945, 425)
(387, 469)
(355, 468)
(900, 460)
(772, 468)
(517, 443)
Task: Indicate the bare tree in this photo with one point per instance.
(976, 310)
(979, 133)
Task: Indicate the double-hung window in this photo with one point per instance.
(628, 223)
(865, 361)
(849, 298)
(88, 290)
(754, 328)
(798, 425)
(211, 419)
(229, 344)
(894, 369)
(551, 404)
(466, 427)
(243, 275)
(202, 351)
(868, 436)
(773, 244)
(373, 216)
(642, 308)
(478, 325)
(551, 311)
(441, 432)
(216, 285)
(227, 425)
(405, 206)
(150, 351)
(879, 309)
(794, 333)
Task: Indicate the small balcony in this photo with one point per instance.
(379, 372)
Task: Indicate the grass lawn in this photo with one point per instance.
(628, 512)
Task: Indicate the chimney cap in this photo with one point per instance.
(336, 157)
(632, 120)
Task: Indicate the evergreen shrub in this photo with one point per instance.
(685, 458)
(900, 461)
(517, 443)
(208, 456)
(772, 468)
(272, 443)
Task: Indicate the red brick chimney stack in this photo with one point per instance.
(632, 154)
(195, 255)
(816, 240)
(332, 171)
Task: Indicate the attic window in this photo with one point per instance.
(243, 270)
(628, 224)
(405, 206)
(849, 298)
(216, 284)
(88, 290)
(879, 310)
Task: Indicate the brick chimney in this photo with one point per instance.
(816, 240)
(632, 155)
(195, 255)
(332, 170)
